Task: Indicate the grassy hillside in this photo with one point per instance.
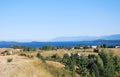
(22, 67)
(28, 65)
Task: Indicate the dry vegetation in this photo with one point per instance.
(22, 66)
(55, 64)
(115, 50)
(61, 52)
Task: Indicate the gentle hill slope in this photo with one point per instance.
(22, 67)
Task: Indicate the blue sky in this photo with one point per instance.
(42, 20)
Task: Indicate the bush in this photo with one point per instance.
(48, 48)
(96, 50)
(23, 54)
(39, 56)
(9, 60)
(56, 57)
(30, 56)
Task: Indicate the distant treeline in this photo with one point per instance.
(50, 47)
(24, 48)
(74, 47)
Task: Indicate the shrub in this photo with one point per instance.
(23, 54)
(48, 48)
(56, 56)
(96, 50)
(9, 60)
(30, 56)
(39, 56)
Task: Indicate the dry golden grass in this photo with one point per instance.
(81, 50)
(34, 69)
(22, 67)
(55, 64)
(25, 67)
(61, 52)
(115, 50)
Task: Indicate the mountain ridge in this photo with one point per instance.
(75, 38)
(88, 38)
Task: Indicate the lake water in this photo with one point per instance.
(40, 44)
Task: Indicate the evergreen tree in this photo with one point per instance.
(83, 66)
(93, 68)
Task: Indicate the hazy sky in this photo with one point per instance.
(41, 20)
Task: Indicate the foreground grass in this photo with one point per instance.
(33, 69)
(21, 66)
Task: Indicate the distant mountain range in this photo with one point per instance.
(68, 41)
(114, 37)
(88, 38)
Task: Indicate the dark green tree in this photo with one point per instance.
(39, 56)
(116, 60)
(65, 58)
(93, 68)
(82, 67)
(108, 62)
(48, 48)
(104, 46)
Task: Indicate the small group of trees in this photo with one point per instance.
(25, 48)
(63, 47)
(54, 57)
(104, 46)
(103, 65)
(82, 47)
(29, 49)
(75, 64)
(50, 47)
